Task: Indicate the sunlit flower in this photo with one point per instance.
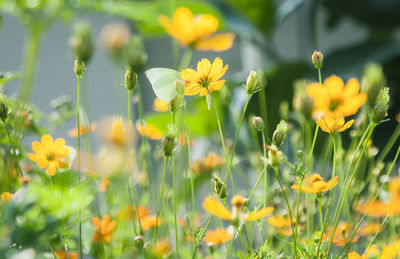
(118, 132)
(160, 105)
(217, 237)
(370, 251)
(6, 196)
(205, 79)
(368, 229)
(103, 229)
(84, 129)
(149, 131)
(207, 164)
(61, 254)
(216, 208)
(316, 184)
(147, 221)
(279, 221)
(48, 154)
(332, 125)
(334, 99)
(104, 185)
(342, 234)
(391, 251)
(162, 248)
(196, 31)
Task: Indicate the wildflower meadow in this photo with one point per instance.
(284, 160)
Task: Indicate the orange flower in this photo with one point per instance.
(370, 251)
(332, 125)
(160, 105)
(316, 184)
(149, 130)
(217, 237)
(334, 99)
(162, 248)
(61, 254)
(73, 133)
(342, 234)
(196, 31)
(207, 164)
(148, 221)
(206, 77)
(279, 221)
(216, 208)
(103, 185)
(48, 154)
(103, 229)
(368, 229)
(6, 196)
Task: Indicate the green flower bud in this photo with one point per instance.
(302, 102)
(381, 107)
(168, 144)
(180, 87)
(258, 123)
(219, 187)
(81, 41)
(135, 54)
(300, 153)
(279, 135)
(4, 110)
(372, 81)
(251, 83)
(176, 103)
(139, 242)
(131, 80)
(317, 59)
(79, 67)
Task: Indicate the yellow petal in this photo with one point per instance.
(219, 42)
(203, 68)
(335, 86)
(259, 214)
(346, 126)
(216, 208)
(189, 75)
(215, 86)
(351, 88)
(205, 25)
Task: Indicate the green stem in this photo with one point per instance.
(78, 77)
(186, 58)
(13, 148)
(129, 125)
(263, 108)
(310, 155)
(389, 144)
(266, 175)
(175, 219)
(319, 76)
(320, 211)
(65, 246)
(159, 198)
(298, 207)
(132, 211)
(190, 162)
(258, 181)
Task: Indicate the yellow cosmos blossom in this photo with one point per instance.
(162, 248)
(216, 208)
(206, 79)
(279, 221)
(61, 254)
(217, 237)
(371, 251)
(73, 133)
(207, 164)
(332, 125)
(118, 132)
(6, 196)
(149, 130)
(369, 229)
(316, 184)
(160, 105)
(147, 221)
(342, 234)
(391, 251)
(104, 229)
(196, 31)
(335, 99)
(48, 154)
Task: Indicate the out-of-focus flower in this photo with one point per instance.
(332, 125)
(217, 237)
(372, 81)
(114, 37)
(81, 41)
(380, 109)
(316, 184)
(302, 102)
(368, 229)
(370, 251)
(162, 248)
(84, 129)
(207, 164)
(196, 31)
(118, 132)
(160, 105)
(398, 117)
(48, 154)
(391, 251)
(147, 221)
(103, 229)
(334, 99)
(104, 185)
(61, 254)
(206, 77)
(342, 234)
(149, 131)
(6, 196)
(279, 221)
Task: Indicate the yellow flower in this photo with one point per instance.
(118, 132)
(147, 221)
(370, 251)
(162, 248)
(217, 237)
(207, 164)
(48, 154)
(279, 221)
(391, 251)
(368, 229)
(196, 31)
(103, 229)
(73, 133)
(342, 234)
(149, 130)
(217, 209)
(334, 99)
(332, 125)
(6, 196)
(160, 105)
(206, 77)
(316, 184)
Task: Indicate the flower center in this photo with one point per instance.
(334, 104)
(50, 157)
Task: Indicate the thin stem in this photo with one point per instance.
(310, 155)
(263, 108)
(78, 77)
(266, 175)
(319, 76)
(175, 219)
(263, 173)
(298, 206)
(375, 236)
(389, 144)
(132, 210)
(129, 125)
(320, 212)
(160, 197)
(13, 148)
(65, 246)
(231, 243)
(186, 58)
(190, 162)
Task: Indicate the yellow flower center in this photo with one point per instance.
(50, 157)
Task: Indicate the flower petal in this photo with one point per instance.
(259, 214)
(216, 208)
(219, 42)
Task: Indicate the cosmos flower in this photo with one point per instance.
(103, 229)
(332, 124)
(6, 196)
(217, 237)
(149, 131)
(342, 234)
(84, 129)
(316, 184)
(207, 164)
(160, 105)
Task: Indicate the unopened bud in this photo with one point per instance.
(251, 83)
(139, 242)
(131, 79)
(180, 87)
(274, 155)
(168, 144)
(381, 106)
(4, 110)
(317, 59)
(279, 135)
(176, 103)
(258, 123)
(79, 67)
(81, 41)
(136, 56)
(300, 153)
(302, 102)
(372, 81)
(219, 187)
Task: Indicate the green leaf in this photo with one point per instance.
(163, 82)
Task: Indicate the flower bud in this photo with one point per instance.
(219, 187)
(135, 54)
(381, 107)
(251, 83)
(114, 37)
(4, 110)
(180, 87)
(79, 67)
(81, 41)
(131, 79)
(168, 144)
(258, 123)
(372, 81)
(317, 59)
(139, 242)
(279, 135)
(274, 155)
(302, 102)
(176, 103)
(300, 153)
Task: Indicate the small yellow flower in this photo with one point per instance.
(149, 131)
(73, 133)
(332, 125)
(196, 31)
(147, 221)
(206, 77)
(118, 132)
(316, 184)
(6, 196)
(48, 154)
(103, 229)
(279, 221)
(160, 105)
(391, 251)
(370, 251)
(207, 164)
(216, 208)
(217, 237)
(342, 234)
(335, 99)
